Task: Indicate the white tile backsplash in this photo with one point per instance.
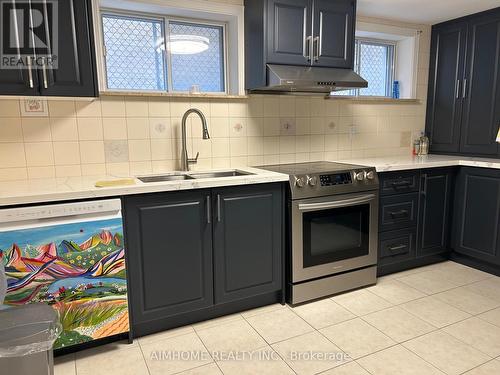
(134, 135)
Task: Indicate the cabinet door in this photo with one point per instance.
(17, 79)
(75, 74)
(169, 247)
(434, 211)
(247, 241)
(445, 84)
(333, 30)
(288, 29)
(480, 119)
(477, 213)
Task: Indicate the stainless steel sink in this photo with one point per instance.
(165, 177)
(192, 176)
(231, 173)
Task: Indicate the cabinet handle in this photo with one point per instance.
(464, 89)
(424, 185)
(457, 90)
(209, 211)
(30, 73)
(401, 184)
(398, 247)
(396, 214)
(44, 71)
(218, 208)
(307, 48)
(316, 48)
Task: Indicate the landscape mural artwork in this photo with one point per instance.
(78, 269)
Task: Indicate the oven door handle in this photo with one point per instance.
(335, 204)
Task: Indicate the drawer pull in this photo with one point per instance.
(398, 214)
(401, 184)
(398, 247)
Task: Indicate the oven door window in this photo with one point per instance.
(335, 234)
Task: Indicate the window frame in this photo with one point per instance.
(391, 68)
(165, 19)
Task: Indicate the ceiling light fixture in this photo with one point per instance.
(187, 44)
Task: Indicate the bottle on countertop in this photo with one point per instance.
(395, 90)
(423, 144)
(416, 147)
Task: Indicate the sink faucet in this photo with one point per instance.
(185, 161)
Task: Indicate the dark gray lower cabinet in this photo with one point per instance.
(434, 211)
(477, 214)
(169, 243)
(414, 218)
(193, 255)
(247, 241)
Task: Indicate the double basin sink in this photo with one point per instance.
(180, 176)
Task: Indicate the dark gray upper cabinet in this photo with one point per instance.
(169, 247)
(289, 25)
(481, 119)
(476, 225)
(435, 202)
(247, 241)
(70, 39)
(463, 110)
(444, 105)
(297, 32)
(76, 71)
(333, 33)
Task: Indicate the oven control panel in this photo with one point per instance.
(335, 179)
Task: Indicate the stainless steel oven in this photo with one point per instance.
(332, 228)
(333, 234)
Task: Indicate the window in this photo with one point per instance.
(133, 56)
(374, 61)
(137, 57)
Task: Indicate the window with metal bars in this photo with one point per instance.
(374, 61)
(163, 54)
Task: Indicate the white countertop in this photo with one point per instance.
(61, 189)
(399, 163)
(68, 188)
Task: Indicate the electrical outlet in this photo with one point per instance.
(34, 107)
(287, 126)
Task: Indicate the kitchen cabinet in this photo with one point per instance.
(169, 242)
(463, 111)
(193, 255)
(333, 33)
(414, 218)
(444, 107)
(297, 32)
(72, 43)
(481, 87)
(247, 238)
(434, 211)
(288, 25)
(477, 214)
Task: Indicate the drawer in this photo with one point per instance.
(398, 211)
(399, 182)
(397, 246)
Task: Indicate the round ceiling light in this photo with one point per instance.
(187, 44)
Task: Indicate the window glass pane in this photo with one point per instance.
(134, 53)
(374, 66)
(196, 56)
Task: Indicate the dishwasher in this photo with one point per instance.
(70, 256)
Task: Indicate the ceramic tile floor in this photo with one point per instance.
(439, 319)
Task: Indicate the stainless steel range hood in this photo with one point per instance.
(309, 79)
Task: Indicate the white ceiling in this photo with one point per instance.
(423, 11)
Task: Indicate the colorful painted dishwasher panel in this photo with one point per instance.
(78, 269)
